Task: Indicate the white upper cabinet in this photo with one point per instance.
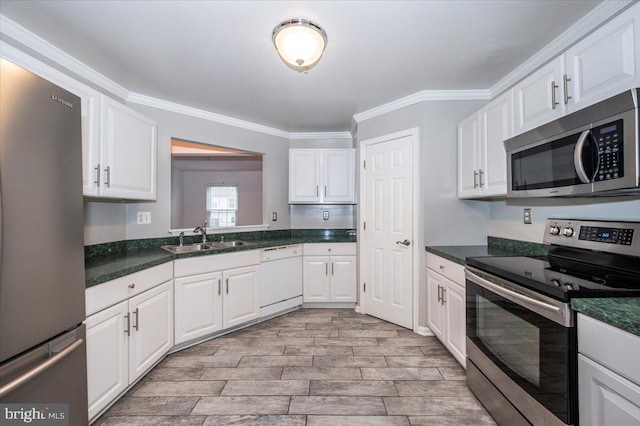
(321, 176)
(128, 153)
(539, 97)
(482, 167)
(606, 62)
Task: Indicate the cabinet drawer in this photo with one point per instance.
(610, 346)
(215, 262)
(104, 295)
(330, 249)
(447, 268)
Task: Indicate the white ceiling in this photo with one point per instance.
(218, 55)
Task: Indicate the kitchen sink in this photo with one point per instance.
(190, 248)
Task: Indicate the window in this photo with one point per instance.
(222, 205)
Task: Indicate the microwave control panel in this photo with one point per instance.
(610, 150)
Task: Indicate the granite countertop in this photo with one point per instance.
(621, 312)
(107, 262)
(495, 247)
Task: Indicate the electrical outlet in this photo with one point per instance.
(325, 215)
(144, 218)
(527, 216)
(274, 216)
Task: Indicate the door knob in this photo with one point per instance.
(404, 243)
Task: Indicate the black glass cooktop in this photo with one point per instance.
(563, 279)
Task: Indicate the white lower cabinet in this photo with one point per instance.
(608, 375)
(222, 294)
(128, 338)
(329, 278)
(446, 306)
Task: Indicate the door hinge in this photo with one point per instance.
(364, 287)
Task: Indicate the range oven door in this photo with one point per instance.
(525, 345)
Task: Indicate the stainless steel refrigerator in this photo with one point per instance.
(42, 338)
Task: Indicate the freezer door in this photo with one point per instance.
(52, 373)
(41, 221)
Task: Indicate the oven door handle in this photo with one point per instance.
(521, 299)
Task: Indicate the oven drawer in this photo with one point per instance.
(451, 270)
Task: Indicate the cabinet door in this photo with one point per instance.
(241, 295)
(107, 356)
(435, 311)
(151, 328)
(606, 62)
(468, 155)
(606, 398)
(128, 142)
(539, 97)
(198, 306)
(343, 279)
(497, 126)
(339, 176)
(455, 313)
(305, 175)
(315, 279)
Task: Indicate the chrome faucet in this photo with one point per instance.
(181, 239)
(203, 230)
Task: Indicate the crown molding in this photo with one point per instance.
(48, 50)
(587, 24)
(137, 98)
(320, 135)
(425, 95)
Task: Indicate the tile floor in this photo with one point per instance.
(309, 367)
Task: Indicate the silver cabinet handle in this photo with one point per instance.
(325, 190)
(219, 286)
(108, 176)
(444, 291)
(331, 268)
(128, 329)
(97, 169)
(404, 243)
(227, 285)
(480, 173)
(137, 323)
(554, 86)
(317, 190)
(31, 374)
(565, 81)
(326, 268)
(475, 179)
(439, 296)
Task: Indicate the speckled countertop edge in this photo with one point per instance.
(620, 312)
(109, 261)
(495, 247)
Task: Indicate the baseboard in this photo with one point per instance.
(334, 305)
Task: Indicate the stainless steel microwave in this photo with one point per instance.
(592, 152)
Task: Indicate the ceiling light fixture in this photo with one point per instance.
(300, 43)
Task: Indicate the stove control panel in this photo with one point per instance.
(605, 236)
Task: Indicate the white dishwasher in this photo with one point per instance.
(280, 279)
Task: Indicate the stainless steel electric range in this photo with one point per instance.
(521, 334)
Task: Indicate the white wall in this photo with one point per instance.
(104, 222)
(194, 209)
(506, 216)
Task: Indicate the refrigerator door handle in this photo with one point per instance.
(31, 374)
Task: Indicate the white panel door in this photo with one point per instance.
(455, 313)
(435, 310)
(107, 356)
(305, 175)
(241, 301)
(497, 126)
(606, 62)
(151, 328)
(343, 279)
(539, 97)
(606, 398)
(468, 156)
(315, 279)
(339, 176)
(198, 306)
(388, 214)
(128, 142)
